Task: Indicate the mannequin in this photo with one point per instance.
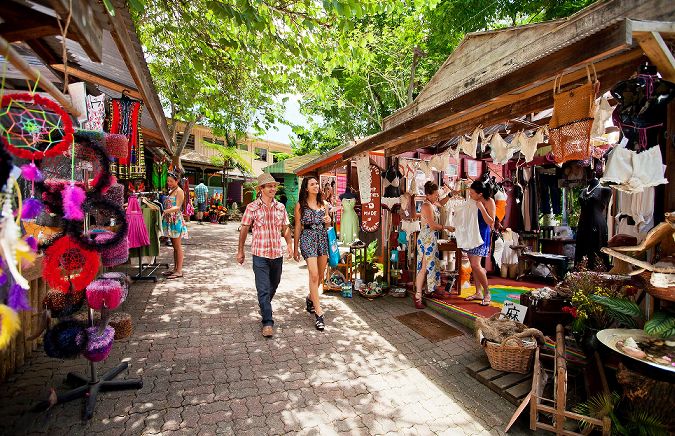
(592, 233)
(349, 193)
(641, 112)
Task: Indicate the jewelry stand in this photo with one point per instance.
(89, 388)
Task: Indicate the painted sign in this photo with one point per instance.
(514, 311)
(370, 212)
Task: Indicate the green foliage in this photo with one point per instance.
(626, 421)
(621, 310)
(662, 324)
(231, 157)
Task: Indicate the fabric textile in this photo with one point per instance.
(125, 118)
(267, 222)
(313, 238)
(592, 232)
(363, 174)
(201, 191)
(95, 113)
(467, 231)
(349, 225)
(633, 172)
(483, 249)
(153, 222)
(427, 252)
(267, 277)
(551, 194)
(500, 204)
(173, 223)
(137, 234)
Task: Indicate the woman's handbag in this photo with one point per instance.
(572, 119)
(333, 252)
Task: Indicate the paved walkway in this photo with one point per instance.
(207, 370)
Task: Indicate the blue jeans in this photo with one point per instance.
(267, 277)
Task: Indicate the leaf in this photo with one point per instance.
(662, 324)
(620, 305)
(109, 7)
(137, 5)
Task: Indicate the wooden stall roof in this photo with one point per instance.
(326, 162)
(102, 50)
(496, 76)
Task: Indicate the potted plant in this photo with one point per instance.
(368, 264)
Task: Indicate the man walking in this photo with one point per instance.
(269, 220)
(201, 192)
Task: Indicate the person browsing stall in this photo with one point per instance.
(269, 221)
(201, 193)
(481, 193)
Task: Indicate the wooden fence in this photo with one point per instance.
(19, 348)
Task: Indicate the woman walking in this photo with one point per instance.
(311, 239)
(481, 193)
(173, 223)
(427, 243)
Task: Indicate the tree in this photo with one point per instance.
(230, 157)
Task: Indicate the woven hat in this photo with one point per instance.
(266, 178)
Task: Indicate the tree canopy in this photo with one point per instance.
(222, 62)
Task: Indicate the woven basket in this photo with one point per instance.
(512, 355)
(571, 141)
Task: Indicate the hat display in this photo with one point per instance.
(266, 178)
(66, 340)
(99, 345)
(104, 291)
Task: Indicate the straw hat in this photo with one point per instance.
(266, 178)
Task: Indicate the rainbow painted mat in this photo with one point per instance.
(499, 294)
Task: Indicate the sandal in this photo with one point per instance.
(168, 273)
(174, 276)
(475, 296)
(309, 305)
(486, 301)
(418, 303)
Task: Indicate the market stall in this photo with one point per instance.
(73, 156)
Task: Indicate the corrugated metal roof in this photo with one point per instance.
(288, 166)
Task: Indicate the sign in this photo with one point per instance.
(370, 212)
(514, 311)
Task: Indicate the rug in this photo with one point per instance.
(428, 326)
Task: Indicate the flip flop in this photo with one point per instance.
(168, 273)
(475, 296)
(485, 302)
(174, 276)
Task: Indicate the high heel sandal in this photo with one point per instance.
(309, 305)
(486, 301)
(319, 323)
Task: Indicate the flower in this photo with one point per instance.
(571, 310)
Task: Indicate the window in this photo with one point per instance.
(212, 141)
(261, 154)
(190, 144)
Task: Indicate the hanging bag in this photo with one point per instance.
(572, 119)
(333, 251)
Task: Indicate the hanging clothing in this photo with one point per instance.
(592, 233)
(349, 226)
(633, 172)
(514, 213)
(363, 174)
(137, 234)
(427, 251)
(500, 205)
(95, 113)
(501, 151)
(484, 229)
(467, 232)
(635, 213)
(528, 146)
(603, 112)
(390, 184)
(551, 194)
(509, 255)
(125, 119)
(153, 222)
(470, 146)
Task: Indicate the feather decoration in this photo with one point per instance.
(18, 298)
(10, 243)
(32, 243)
(31, 208)
(31, 172)
(73, 197)
(10, 324)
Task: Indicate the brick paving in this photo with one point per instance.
(207, 370)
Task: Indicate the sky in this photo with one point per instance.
(281, 132)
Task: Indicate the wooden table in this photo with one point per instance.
(554, 245)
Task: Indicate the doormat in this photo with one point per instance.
(428, 326)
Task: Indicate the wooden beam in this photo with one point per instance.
(21, 31)
(83, 23)
(98, 80)
(609, 71)
(590, 49)
(658, 53)
(652, 26)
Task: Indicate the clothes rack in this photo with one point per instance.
(146, 271)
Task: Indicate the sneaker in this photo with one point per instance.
(319, 323)
(267, 331)
(309, 305)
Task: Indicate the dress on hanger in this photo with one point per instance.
(95, 113)
(363, 173)
(500, 204)
(465, 220)
(349, 226)
(427, 251)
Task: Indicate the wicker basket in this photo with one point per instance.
(512, 355)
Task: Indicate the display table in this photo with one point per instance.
(557, 264)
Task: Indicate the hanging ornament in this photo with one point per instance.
(68, 266)
(32, 208)
(73, 197)
(18, 298)
(31, 172)
(10, 324)
(38, 127)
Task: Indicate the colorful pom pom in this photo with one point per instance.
(31, 172)
(10, 324)
(104, 292)
(66, 340)
(73, 197)
(32, 208)
(99, 346)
